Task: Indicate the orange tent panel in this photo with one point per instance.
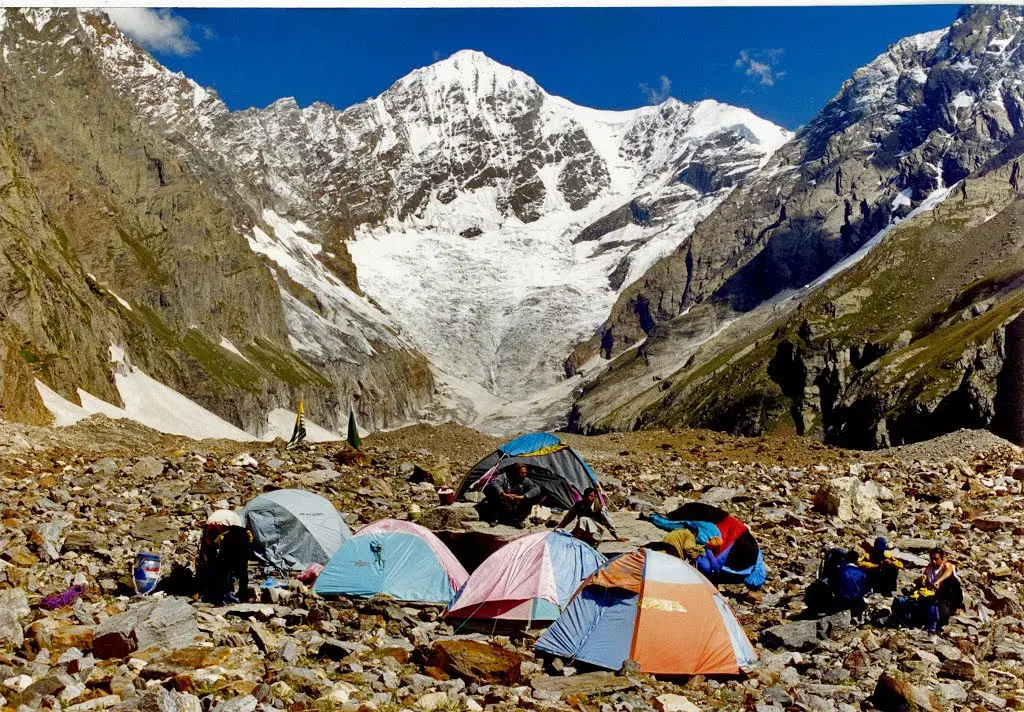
(679, 629)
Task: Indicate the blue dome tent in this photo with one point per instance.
(400, 559)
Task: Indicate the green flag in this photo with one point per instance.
(353, 431)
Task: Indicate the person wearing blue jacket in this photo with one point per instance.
(852, 586)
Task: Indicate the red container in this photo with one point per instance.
(446, 496)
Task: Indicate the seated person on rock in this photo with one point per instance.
(223, 560)
(937, 594)
(511, 495)
(881, 567)
(589, 513)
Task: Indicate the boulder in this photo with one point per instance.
(959, 670)
(798, 635)
(85, 541)
(161, 700)
(476, 662)
(13, 610)
(674, 703)
(452, 516)
(849, 499)
(56, 636)
(168, 623)
(896, 693)
(588, 683)
(155, 529)
(147, 468)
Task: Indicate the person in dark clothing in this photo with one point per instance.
(882, 568)
(841, 585)
(852, 587)
(588, 511)
(223, 561)
(511, 495)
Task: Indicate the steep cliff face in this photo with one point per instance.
(492, 222)
(866, 357)
(894, 349)
(129, 243)
(930, 111)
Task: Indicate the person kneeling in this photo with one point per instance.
(842, 587)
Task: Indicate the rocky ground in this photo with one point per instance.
(79, 503)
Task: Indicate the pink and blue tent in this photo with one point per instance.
(400, 559)
(529, 579)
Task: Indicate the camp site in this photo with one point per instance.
(694, 575)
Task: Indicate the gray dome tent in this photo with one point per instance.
(292, 529)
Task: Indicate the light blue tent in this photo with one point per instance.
(400, 559)
(292, 529)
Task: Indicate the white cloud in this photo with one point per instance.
(761, 65)
(656, 95)
(156, 29)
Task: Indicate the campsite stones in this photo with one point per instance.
(168, 623)
(476, 662)
(13, 610)
(849, 499)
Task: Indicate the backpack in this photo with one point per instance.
(832, 562)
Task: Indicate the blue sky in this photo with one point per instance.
(783, 63)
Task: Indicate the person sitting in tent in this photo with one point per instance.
(511, 495)
(223, 560)
(936, 595)
(881, 567)
(589, 513)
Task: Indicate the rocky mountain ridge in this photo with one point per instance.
(96, 201)
(934, 121)
(453, 169)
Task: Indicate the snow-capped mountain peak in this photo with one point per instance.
(474, 71)
(493, 222)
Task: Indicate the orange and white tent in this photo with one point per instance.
(655, 609)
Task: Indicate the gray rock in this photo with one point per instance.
(85, 541)
(147, 468)
(719, 495)
(168, 623)
(338, 649)
(14, 609)
(156, 529)
(952, 691)
(105, 466)
(798, 635)
(246, 703)
(848, 499)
